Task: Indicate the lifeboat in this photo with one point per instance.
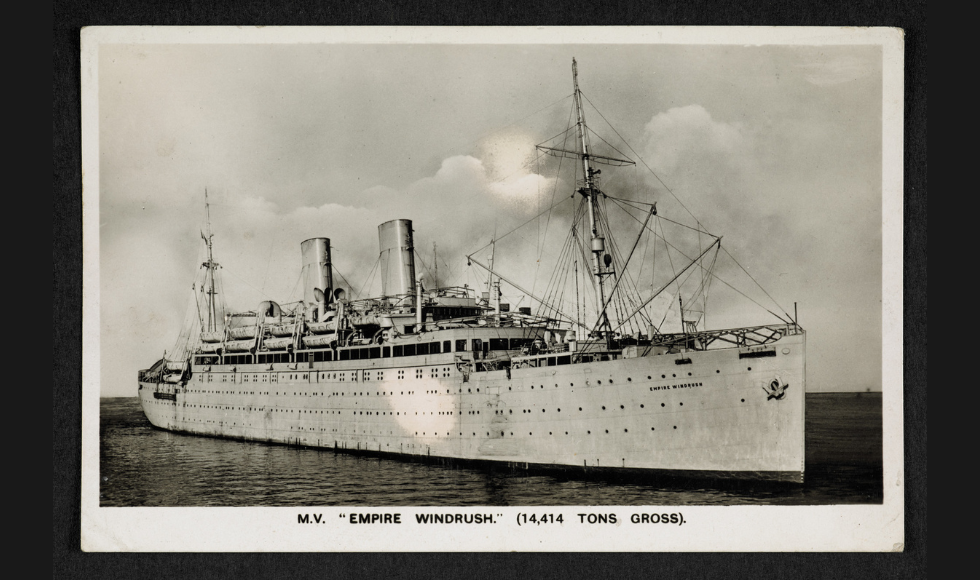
(282, 329)
(242, 332)
(321, 327)
(212, 336)
(238, 345)
(277, 343)
(321, 340)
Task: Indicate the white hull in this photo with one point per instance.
(714, 416)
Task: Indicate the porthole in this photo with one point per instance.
(603, 408)
(621, 407)
(626, 430)
(675, 426)
(662, 405)
(607, 430)
(663, 376)
(682, 404)
(688, 374)
(580, 408)
(674, 375)
(588, 432)
(653, 428)
(743, 400)
(750, 368)
(641, 406)
(629, 380)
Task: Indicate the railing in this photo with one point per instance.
(747, 336)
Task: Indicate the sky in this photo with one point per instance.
(776, 148)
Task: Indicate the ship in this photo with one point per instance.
(453, 374)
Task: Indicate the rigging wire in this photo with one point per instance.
(371, 274)
(261, 292)
(611, 146)
(554, 191)
(487, 245)
(645, 164)
(631, 202)
(759, 285)
(720, 279)
(342, 277)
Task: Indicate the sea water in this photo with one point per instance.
(143, 466)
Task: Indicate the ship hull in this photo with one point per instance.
(693, 414)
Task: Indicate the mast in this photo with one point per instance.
(590, 191)
(210, 265)
(578, 312)
(493, 288)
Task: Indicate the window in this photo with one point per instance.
(345, 355)
(498, 344)
(375, 352)
(386, 351)
(410, 349)
(447, 346)
(398, 350)
(461, 345)
(422, 348)
(433, 348)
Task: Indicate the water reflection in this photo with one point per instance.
(142, 466)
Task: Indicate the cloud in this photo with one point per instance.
(836, 70)
(150, 258)
(685, 137)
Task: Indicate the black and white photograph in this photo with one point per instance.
(492, 289)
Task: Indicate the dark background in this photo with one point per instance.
(70, 17)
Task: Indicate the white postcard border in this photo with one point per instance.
(705, 528)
